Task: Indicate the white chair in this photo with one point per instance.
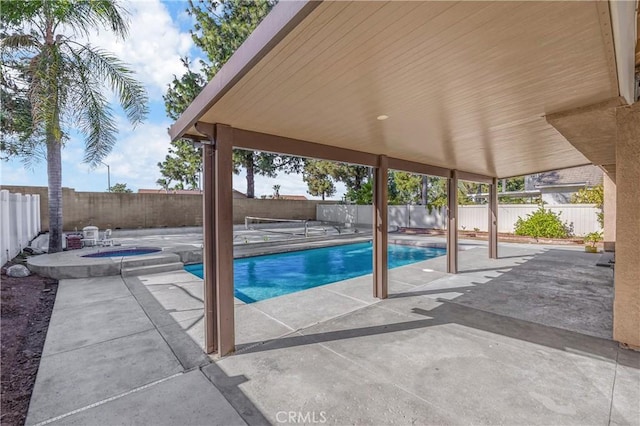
(106, 239)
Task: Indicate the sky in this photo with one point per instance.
(158, 37)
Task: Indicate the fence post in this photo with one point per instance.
(35, 215)
(25, 221)
(28, 228)
(38, 214)
(16, 204)
(5, 237)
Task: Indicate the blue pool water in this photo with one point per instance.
(263, 277)
(124, 252)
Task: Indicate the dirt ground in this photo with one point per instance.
(24, 318)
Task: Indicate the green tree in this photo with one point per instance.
(407, 188)
(322, 174)
(317, 176)
(15, 115)
(64, 78)
(362, 196)
(220, 28)
(594, 195)
(181, 167)
(263, 164)
(183, 164)
(513, 185)
(120, 188)
(354, 177)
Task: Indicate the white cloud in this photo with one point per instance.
(14, 173)
(154, 46)
(135, 157)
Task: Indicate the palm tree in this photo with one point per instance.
(62, 78)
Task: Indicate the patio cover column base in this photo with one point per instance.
(452, 224)
(380, 231)
(626, 308)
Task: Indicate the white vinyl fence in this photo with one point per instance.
(581, 217)
(19, 222)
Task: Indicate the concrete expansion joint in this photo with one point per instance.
(97, 302)
(353, 298)
(295, 331)
(263, 342)
(613, 386)
(104, 401)
(98, 343)
(276, 320)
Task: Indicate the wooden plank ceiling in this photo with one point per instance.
(466, 85)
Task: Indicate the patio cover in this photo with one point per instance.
(462, 90)
(466, 85)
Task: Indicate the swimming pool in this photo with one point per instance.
(263, 277)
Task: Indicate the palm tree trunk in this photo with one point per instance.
(250, 175)
(54, 176)
(423, 192)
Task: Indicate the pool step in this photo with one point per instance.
(151, 269)
(149, 259)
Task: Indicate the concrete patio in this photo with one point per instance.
(524, 339)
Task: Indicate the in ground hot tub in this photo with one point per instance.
(133, 251)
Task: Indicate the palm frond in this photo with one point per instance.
(99, 127)
(94, 117)
(85, 16)
(20, 41)
(107, 68)
(48, 89)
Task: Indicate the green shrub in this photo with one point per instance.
(542, 223)
(593, 238)
(593, 195)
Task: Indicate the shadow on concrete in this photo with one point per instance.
(528, 256)
(190, 354)
(461, 289)
(558, 298)
(449, 313)
(502, 270)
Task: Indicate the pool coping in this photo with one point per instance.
(72, 264)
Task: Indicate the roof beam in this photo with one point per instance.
(418, 168)
(474, 177)
(246, 139)
(250, 140)
(284, 17)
